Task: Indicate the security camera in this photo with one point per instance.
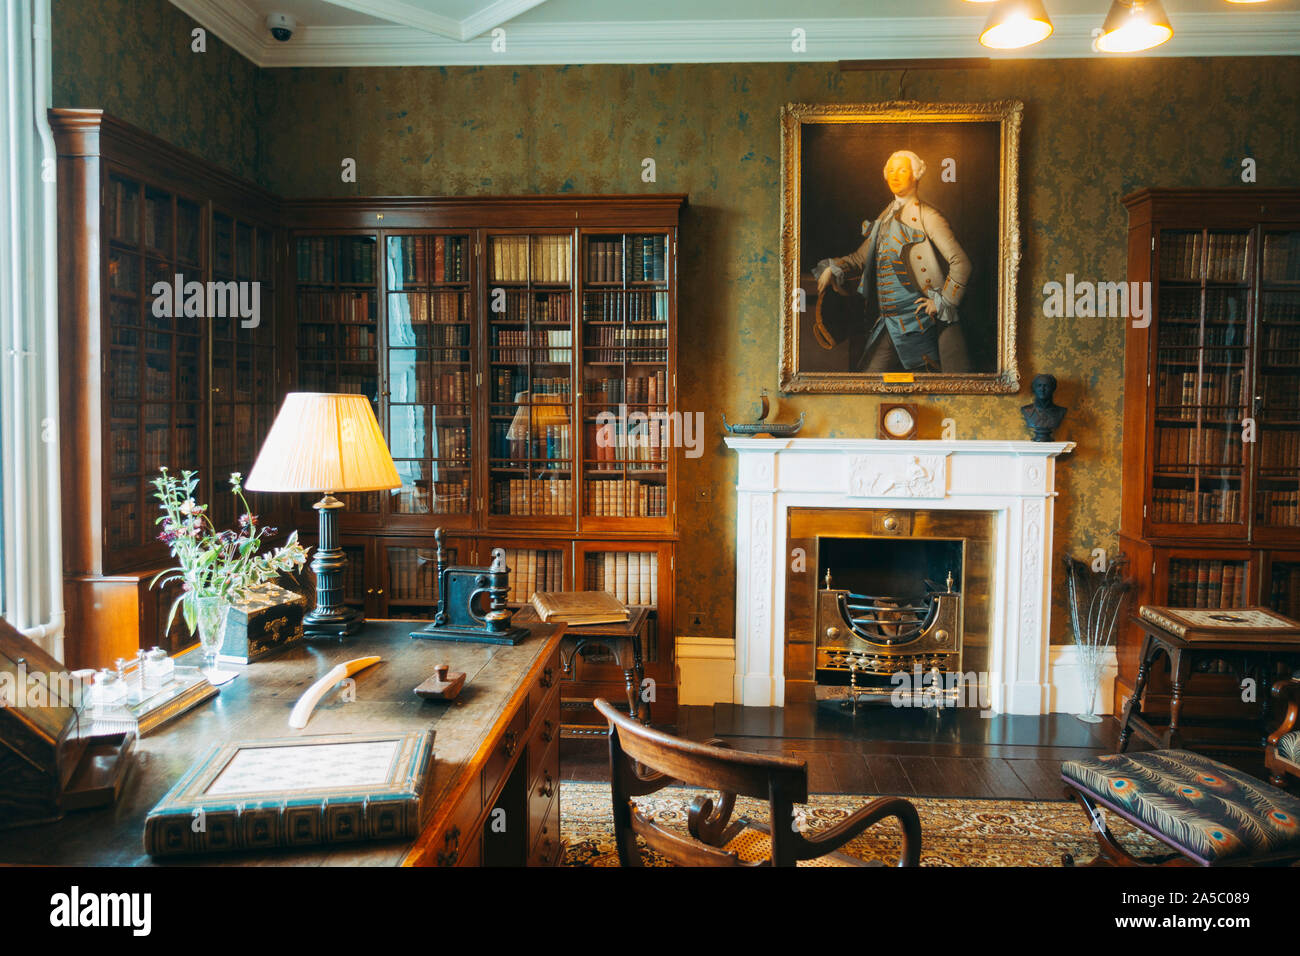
(281, 26)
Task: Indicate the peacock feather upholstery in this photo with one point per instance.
(1204, 808)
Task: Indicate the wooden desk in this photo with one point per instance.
(1247, 657)
(623, 639)
(496, 745)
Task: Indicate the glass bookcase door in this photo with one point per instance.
(410, 583)
(430, 388)
(627, 427)
(154, 365)
(530, 381)
(638, 574)
(1202, 379)
(1277, 490)
(534, 565)
(1283, 583)
(338, 336)
(1203, 582)
(242, 389)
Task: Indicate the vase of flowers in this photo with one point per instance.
(216, 568)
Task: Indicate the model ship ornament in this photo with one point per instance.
(760, 427)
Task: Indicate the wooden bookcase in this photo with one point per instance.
(1210, 515)
(517, 352)
(139, 389)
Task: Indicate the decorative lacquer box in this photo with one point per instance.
(268, 621)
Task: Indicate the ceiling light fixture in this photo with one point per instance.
(1133, 27)
(1014, 24)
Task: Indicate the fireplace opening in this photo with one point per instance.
(898, 606)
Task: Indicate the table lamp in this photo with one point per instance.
(320, 444)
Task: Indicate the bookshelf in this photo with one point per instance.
(502, 329)
(144, 385)
(627, 427)
(487, 332)
(1208, 515)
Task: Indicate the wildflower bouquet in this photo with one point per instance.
(212, 563)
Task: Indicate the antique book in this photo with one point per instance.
(579, 607)
(295, 792)
(1220, 625)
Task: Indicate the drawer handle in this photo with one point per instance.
(548, 731)
(450, 852)
(510, 742)
(547, 788)
(548, 855)
(548, 677)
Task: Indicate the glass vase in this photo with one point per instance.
(211, 613)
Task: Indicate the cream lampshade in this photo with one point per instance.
(323, 443)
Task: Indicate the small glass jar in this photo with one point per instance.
(158, 668)
(108, 689)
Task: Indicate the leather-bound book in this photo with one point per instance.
(579, 607)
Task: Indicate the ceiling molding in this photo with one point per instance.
(493, 15)
(403, 14)
(235, 23)
(1228, 33)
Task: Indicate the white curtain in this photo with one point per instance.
(29, 390)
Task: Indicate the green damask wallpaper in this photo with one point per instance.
(1093, 131)
(133, 58)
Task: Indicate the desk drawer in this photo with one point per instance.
(458, 843)
(503, 755)
(549, 677)
(548, 851)
(544, 784)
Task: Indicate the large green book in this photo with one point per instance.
(295, 792)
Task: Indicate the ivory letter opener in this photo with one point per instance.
(308, 701)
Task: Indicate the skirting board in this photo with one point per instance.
(1067, 693)
(705, 666)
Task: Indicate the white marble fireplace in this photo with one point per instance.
(1013, 479)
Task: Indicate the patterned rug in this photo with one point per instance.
(953, 832)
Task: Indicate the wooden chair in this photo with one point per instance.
(643, 760)
(1282, 753)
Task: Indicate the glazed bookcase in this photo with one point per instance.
(515, 352)
(1210, 515)
(142, 390)
(520, 357)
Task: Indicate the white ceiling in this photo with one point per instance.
(460, 32)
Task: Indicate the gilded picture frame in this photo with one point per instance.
(912, 278)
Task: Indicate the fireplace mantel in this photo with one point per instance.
(1014, 479)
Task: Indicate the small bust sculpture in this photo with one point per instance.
(1042, 417)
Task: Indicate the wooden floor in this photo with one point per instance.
(887, 751)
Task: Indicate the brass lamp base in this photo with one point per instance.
(331, 617)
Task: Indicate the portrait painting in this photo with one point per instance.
(900, 247)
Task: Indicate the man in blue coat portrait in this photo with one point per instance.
(912, 274)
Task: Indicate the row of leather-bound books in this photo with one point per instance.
(1216, 256)
(533, 569)
(618, 498)
(1188, 506)
(1206, 583)
(631, 576)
